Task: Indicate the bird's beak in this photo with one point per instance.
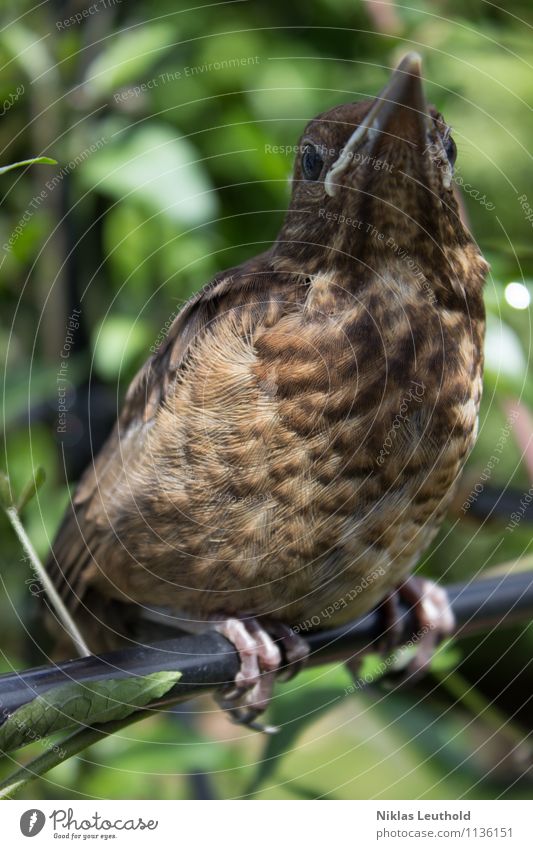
(398, 113)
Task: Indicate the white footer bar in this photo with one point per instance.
(268, 824)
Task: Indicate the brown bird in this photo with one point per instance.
(293, 444)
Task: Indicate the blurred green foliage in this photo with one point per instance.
(162, 119)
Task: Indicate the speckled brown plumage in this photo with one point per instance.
(295, 441)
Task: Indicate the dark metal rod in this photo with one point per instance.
(208, 661)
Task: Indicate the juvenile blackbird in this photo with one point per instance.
(293, 444)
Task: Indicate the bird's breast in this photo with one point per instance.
(301, 459)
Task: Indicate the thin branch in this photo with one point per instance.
(51, 592)
(72, 745)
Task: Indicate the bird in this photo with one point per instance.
(293, 443)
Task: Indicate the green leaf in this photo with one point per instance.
(153, 166)
(118, 343)
(31, 488)
(37, 160)
(127, 58)
(84, 704)
(29, 51)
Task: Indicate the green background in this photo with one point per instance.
(154, 192)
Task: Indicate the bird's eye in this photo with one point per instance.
(450, 150)
(312, 162)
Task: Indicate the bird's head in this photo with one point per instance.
(374, 175)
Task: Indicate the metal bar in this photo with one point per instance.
(208, 661)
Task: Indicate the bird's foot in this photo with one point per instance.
(435, 621)
(262, 653)
(434, 617)
(295, 649)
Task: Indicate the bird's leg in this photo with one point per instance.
(295, 649)
(261, 659)
(390, 639)
(433, 613)
(434, 618)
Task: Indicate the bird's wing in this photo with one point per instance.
(73, 553)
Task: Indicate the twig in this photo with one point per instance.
(72, 745)
(53, 596)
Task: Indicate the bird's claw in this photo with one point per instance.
(431, 607)
(261, 658)
(435, 619)
(247, 716)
